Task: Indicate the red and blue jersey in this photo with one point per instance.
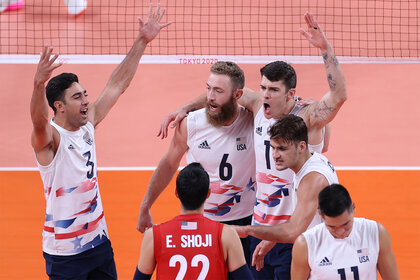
(74, 220)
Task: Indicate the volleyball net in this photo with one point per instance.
(204, 31)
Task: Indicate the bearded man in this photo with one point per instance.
(220, 138)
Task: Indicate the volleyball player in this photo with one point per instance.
(312, 172)
(191, 246)
(219, 137)
(343, 247)
(75, 236)
(278, 97)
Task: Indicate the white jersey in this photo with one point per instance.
(354, 257)
(74, 219)
(227, 154)
(273, 204)
(316, 163)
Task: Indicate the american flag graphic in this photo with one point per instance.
(188, 225)
(362, 252)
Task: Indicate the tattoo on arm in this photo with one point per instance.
(329, 60)
(331, 82)
(322, 111)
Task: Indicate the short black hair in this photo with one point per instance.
(334, 200)
(192, 186)
(57, 86)
(280, 71)
(289, 128)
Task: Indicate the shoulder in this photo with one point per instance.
(181, 131)
(300, 248)
(300, 241)
(382, 231)
(195, 119)
(196, 114)
(317, 165)
(148, 234)
(228, 233)
(313, 177)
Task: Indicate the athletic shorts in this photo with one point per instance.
(277, 262)
(94, 264)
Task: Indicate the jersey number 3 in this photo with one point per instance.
(194, 263)
(89, 163)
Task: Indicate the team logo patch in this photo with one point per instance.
(87, 138)
(204, 145)
(363, 255)
(241, 144)
(185, 225)
(325, 261)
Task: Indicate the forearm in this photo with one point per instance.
(197, 103)
(124, 73)
(283, 233)
(251, 100)
(335, 75)
(39, 106)
(159, 181)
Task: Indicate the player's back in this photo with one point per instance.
(189, 247)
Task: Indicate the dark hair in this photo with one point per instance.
(192, 186)
(289, 128)
(231, 70)
(56, 87)
(280, 71)
(333, 200)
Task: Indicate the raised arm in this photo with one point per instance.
(307, 197)
(387, 265)
(163, 174)
(43, 139)
(121, 77)
(324, 111)
(300, 267)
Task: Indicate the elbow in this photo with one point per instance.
(291, 238)
(286, 236)
(343, 95)
(292, 234)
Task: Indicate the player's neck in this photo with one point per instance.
(286, 109)
(303, 158)
(191, 212)
(61, 121)
(290, 105)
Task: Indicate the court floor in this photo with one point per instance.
(377, 127)
(391, 197)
